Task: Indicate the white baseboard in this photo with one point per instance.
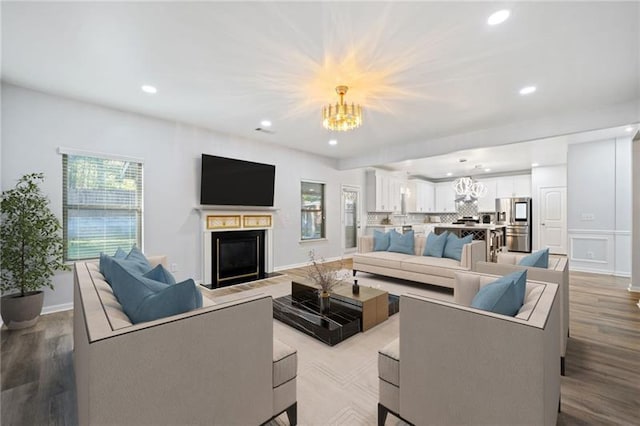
(57, 308)
(633, 288)
(301, 265)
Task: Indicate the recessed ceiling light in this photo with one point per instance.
(449, 174)
(527, 90)
(487, 169)
(628, 129)
(498, 17)
(149, 89)
(333, 142)
(534, 164)
(265, 123)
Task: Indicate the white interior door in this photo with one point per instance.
(350, 218)
(553, 219)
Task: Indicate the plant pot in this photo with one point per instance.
(21, 311)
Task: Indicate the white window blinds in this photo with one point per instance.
(102, 205)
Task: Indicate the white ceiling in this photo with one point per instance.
(501, 159)
(422, 70)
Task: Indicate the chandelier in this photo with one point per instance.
(341, 116)
(466, 188)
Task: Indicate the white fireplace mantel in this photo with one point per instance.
(214, 219)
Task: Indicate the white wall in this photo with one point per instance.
(599, 216)
(544, 177)
(36, 124)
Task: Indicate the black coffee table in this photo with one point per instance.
(340, 321)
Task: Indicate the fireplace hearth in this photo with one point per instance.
(237, 257)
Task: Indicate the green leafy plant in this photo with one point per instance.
(30, 236)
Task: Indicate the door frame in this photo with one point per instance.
(343, 242)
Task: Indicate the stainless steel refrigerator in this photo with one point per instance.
(515, 215)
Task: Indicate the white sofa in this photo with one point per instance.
(215, 365)
(424, 269)
(557, 272)
(453, 364)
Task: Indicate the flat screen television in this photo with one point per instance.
(231, 182)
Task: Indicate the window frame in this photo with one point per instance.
(322, 210)
(66, 153)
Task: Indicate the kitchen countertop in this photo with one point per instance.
(489, 226)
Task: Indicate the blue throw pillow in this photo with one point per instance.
(380, 240)
(137, 261)
(453, 247)
(104, 259)
(402, 243)
(503, 296)
(539, 259)
(120, 254)
(435, 244)
(144, 299)
(171, 300)
(160, 273)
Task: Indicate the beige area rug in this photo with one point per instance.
(336, 385)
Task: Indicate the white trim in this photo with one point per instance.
(70, 151)
(599, 232)
(57, 308)
(633, 288)
(588, 238)
(591, 270)
(312, 240)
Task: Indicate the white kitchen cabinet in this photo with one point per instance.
(522, 186)
(383, 191)
(445, 198)
(423, 195)
(513, 186)
(488, 202)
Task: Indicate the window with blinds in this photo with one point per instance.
(102, 206)
(312, 219)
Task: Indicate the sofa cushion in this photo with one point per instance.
(538, 259)
(503, 296)
(383, 259)
(389, 363)
(285, 363)
(171, 300)
(143, 299)
(160, 273)
(435, 244)
(380, 240)
(453, 247)
(438, 266)
(402, 243)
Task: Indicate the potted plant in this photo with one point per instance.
(31, 251)
(326, 276)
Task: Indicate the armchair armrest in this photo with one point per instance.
(473, 252)
(365, 244)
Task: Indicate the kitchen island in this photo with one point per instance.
(492, 235)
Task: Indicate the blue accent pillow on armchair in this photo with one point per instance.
(503, 296)
(453, 247)
(380, 240)
(435, 244)
(402, 243)
(539, 259)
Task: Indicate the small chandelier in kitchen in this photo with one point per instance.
(467, 189)
(341, 116)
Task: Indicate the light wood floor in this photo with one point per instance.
(601, 386)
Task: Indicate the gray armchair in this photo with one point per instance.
(453, 364)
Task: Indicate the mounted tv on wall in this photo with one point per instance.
(231, 182)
